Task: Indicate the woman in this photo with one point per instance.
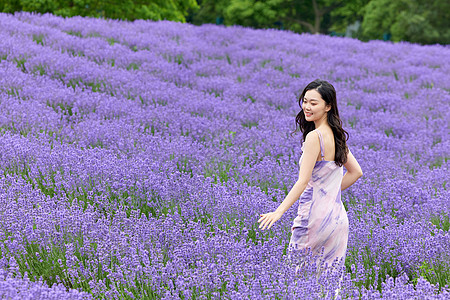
(321, 223)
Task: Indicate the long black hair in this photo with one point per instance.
(328, 93)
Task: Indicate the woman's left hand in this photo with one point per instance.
(269, 219)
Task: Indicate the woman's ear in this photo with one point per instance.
(327, 107)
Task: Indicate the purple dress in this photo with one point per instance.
(322, 220)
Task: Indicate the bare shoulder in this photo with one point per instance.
(312, 138)
(312, 141)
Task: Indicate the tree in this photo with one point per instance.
(296, 15)
(346, 14)
(253, 13)
(310, 14)
(174, 10)
(415, 21)
(209, 11)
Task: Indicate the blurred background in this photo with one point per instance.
(417, 21)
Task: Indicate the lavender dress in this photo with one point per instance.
(322, 220)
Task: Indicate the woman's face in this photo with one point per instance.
(314, 107)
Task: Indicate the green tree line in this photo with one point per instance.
(174, 10)
(418, 21)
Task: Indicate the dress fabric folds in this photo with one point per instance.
(321, 223)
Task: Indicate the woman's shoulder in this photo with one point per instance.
(312, 136)
(311, 139)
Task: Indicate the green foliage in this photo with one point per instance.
(433, 272)
(298, 16)
(441, 222)
(417, 21)
(347, 13)
(312, 16)
(208, 11)
(174, 10)
(282, 14)
(252, 13)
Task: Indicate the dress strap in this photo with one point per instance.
(321, 143)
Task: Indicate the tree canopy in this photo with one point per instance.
(419, 21)
(174, 10)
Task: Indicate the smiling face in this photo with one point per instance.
(314, 107)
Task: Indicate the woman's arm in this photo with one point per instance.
(353, 171)
(312, 149)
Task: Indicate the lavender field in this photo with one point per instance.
(135, 160)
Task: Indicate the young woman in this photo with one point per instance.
(321, 223)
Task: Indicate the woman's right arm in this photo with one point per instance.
(353, 171)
